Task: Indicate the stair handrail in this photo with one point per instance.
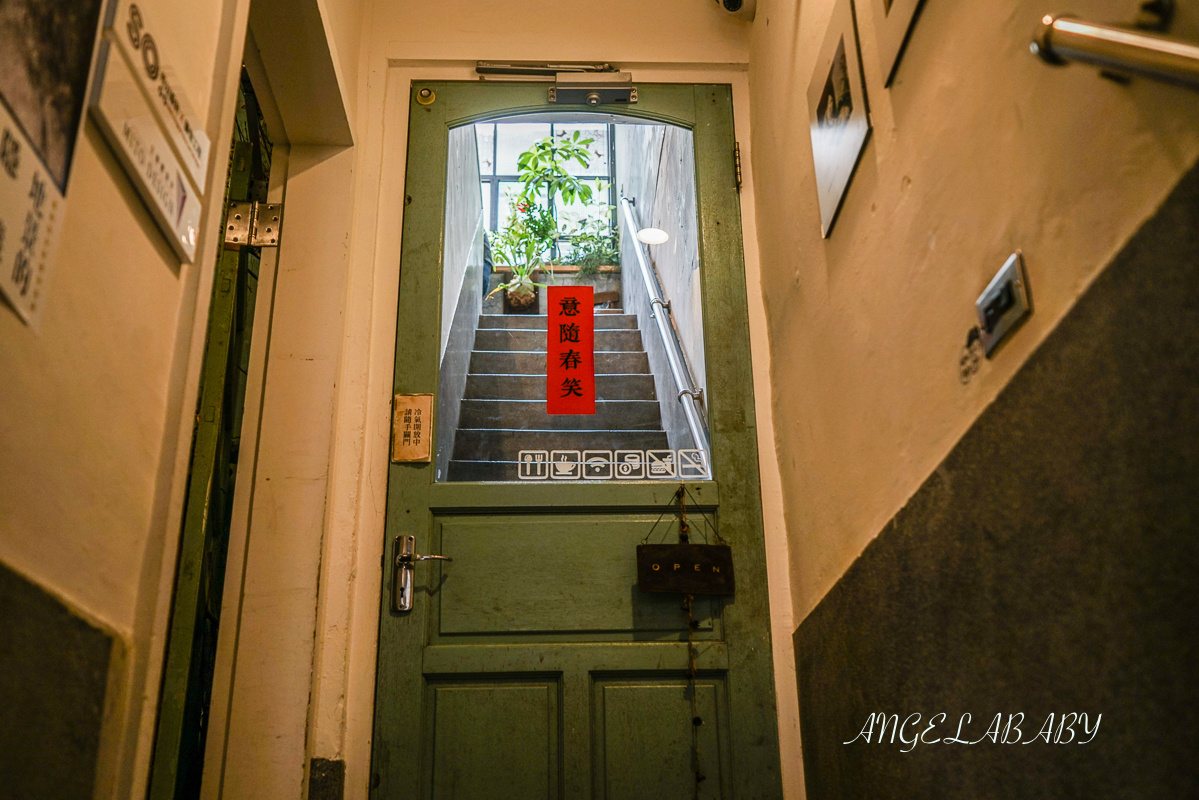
(1062, 38)
(688, 390)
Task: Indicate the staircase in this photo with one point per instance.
(503, 408)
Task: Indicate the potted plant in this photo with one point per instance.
(523, 245)
(526, 243)
(593, 245)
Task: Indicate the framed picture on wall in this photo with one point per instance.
(840, 124)
(46, 53)
(893, 21)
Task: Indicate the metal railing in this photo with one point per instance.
(1063, 39)
(688, 392)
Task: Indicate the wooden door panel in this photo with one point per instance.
(494, 739)
(642, 738)
(558, 574)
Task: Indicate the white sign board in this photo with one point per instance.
(148, 121)
(131, 127)
(45, 59)
(144, 50)
(31, 207)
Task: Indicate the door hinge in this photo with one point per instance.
(252, 223)
(737, 163)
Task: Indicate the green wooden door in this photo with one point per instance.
(531, 666)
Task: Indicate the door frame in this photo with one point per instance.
(296, 126)
(312, 155)
(344, 674)
(376, 465)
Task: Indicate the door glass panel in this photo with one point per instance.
(485, 199)
(486, 139)
(512, 140)
(492, 418)
(509, 191)
(598, 132)
(579, 213)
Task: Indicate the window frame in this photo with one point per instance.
(489, 183)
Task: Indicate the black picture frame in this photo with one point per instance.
(840, 117)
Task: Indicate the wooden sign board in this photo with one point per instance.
(412, 428)
(685, 568)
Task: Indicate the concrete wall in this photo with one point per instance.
(978, 149)
(463, 248)
(655, 167)
(278, 612)
(54, 675)
(269, 613)
(621, 31)
(462, 284)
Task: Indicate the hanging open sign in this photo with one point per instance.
(685, 568)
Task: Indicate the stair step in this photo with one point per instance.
(483, 471)
(532, 387)
(490, 444)
(537, 322)
(490, 362)
(516, 339)
(628, 415)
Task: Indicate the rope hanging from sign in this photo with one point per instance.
(709, 520)
(696, 719)
(687, 569)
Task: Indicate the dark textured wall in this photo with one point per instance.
(1049, 565)
(53, 674)
(326, 779)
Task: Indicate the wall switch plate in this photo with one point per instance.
(1004, 303)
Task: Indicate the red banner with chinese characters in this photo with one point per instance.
(570, 351)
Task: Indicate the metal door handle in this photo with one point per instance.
(406, 558)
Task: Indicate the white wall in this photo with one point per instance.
(619, 31)
(978, 149)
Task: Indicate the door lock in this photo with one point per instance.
(405, 559)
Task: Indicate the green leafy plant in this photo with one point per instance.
(527, 241)
(593, 245)
(524, 244)
(542, 168)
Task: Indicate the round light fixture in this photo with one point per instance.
(653, 236)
